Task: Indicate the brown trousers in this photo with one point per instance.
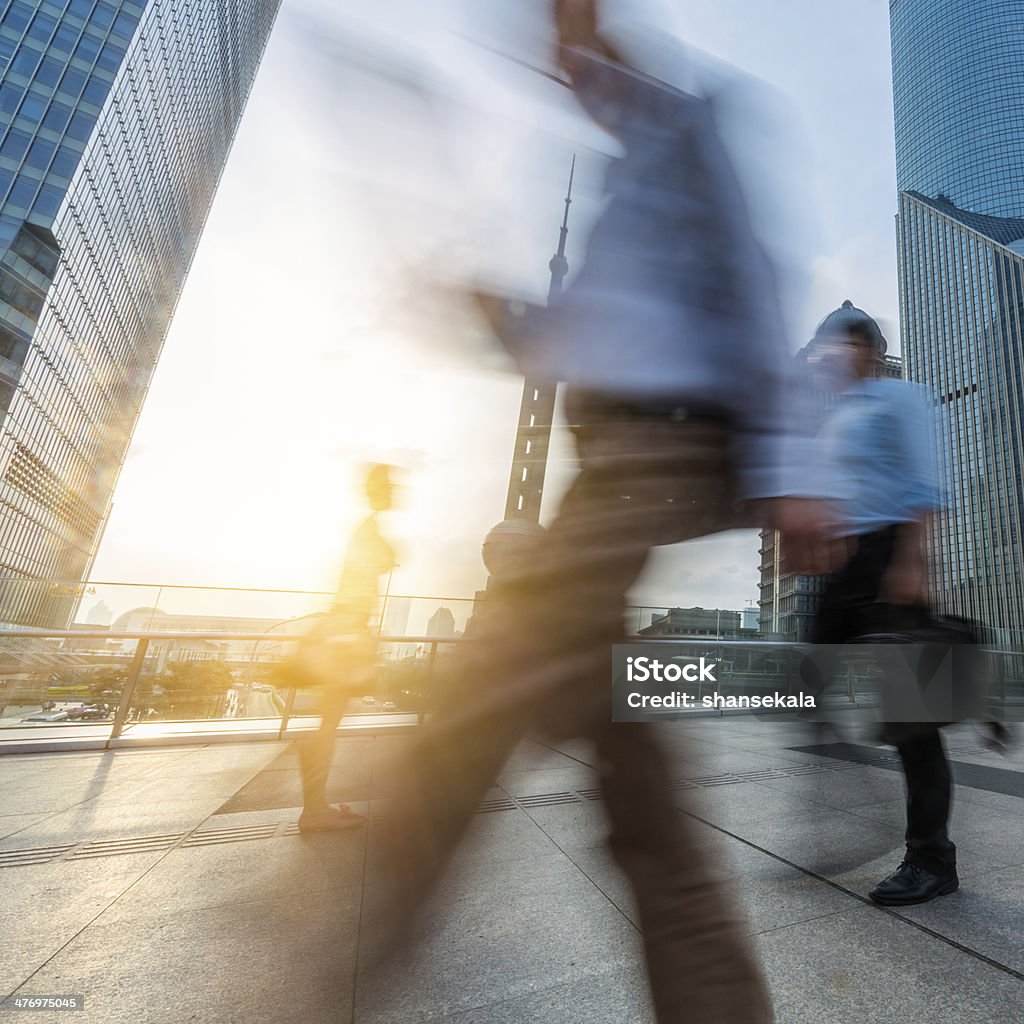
(543, 662)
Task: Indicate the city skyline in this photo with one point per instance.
(283, 486)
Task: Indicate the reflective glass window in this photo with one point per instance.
(26, 60)
(110, 57)
(88, 47)
(104, 14)
(96, 91)
(49, 72)
(23, 193)
(15, 145)
(80, 126)
(72, 82)
(17, 16)
(10, 97)
(11, 346)
(64, 163)
(64, 39)
(48, 201)
(57, 117)
(124, 26)
(42, 28)
(39, 154)
(33, 107)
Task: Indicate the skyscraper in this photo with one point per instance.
(959, 106)
(116, 119)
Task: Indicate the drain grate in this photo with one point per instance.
(207, 836)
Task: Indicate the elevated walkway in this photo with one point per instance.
(171, 884)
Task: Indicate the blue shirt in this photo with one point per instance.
(879, 446)
(677, 299)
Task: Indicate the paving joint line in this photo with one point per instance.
(204, 835)
(976, 954)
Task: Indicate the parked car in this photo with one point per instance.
(90, 712)
(47, 716)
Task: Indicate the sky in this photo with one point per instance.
(387, 156)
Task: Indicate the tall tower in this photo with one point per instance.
(537, 409)
(116, 119)
(959, 113)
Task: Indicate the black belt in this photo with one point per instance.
(673, 409)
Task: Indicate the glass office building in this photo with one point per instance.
(116, 119)
(958, 83)
(958, 97)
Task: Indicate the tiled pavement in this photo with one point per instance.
(169, 885)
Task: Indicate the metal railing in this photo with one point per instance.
(145, 642)
(749, 664)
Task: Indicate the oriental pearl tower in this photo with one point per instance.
(521, 524)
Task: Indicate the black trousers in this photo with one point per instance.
(850, 608)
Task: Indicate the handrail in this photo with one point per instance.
(99, 634)
(89, 634)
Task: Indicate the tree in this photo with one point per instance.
(200, 678)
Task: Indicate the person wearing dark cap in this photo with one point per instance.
(879, 446)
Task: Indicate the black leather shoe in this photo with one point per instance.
(910, 884)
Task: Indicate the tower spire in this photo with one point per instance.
(537, 410)
(559, 265)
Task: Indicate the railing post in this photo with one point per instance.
(141, 648)
(289, 703)
(429, 695)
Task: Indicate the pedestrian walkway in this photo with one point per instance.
(172, 885)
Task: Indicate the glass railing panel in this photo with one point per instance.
(193, 680)
(409, 679)
(67, 682)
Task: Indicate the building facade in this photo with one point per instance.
(441, 623)
(958, 98)
(958, 84)
(695, 622)
(116, 119)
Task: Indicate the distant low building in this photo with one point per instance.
(147, 619)
(697, 622)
